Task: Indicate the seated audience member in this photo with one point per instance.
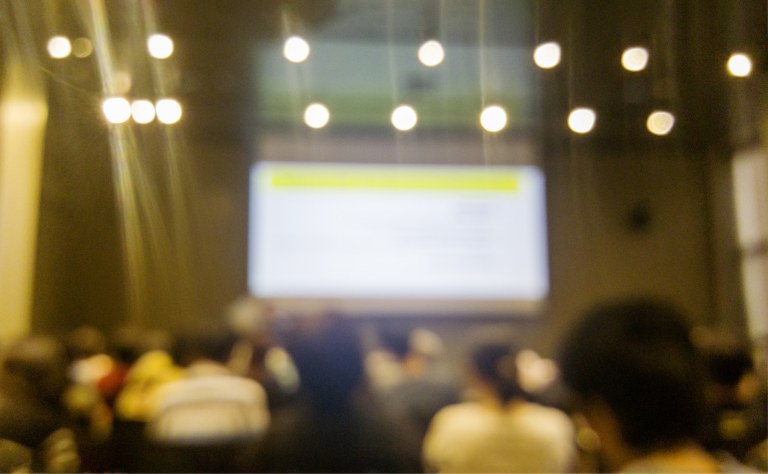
(334, 424)
(34, 433)
(152, 368)
(639, 383)
(256, 354)
(500, 431)
(202, 421)
(757, 456)
(126, 345)
(736, 413)
(407, 375)
(88, 410)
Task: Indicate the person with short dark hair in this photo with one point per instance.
(409, 375)
(639, 382)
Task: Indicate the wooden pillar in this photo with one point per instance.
(23, 115)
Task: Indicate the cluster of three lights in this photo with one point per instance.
(119, 110)
(404, 117)
(635, 58)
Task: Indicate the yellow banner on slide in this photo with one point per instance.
(488, 179)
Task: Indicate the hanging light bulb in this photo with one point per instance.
(316, 115)
(296, 49)
(116, 109)
(404, 118)
(142, 111)
(739, 65)
(634, 59)
(168, 111)
(547, 55)
(493, 118)
(660, 122)
(582, 120)
(160, 46)
(431, 53)
(59, 47)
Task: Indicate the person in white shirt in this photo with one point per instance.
(501, 431)
(206, 419)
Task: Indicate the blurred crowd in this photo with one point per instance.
(634, 388)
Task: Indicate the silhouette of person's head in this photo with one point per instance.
(39, 363)
(494, 361)
(328, 356)
(397, 341)
(637, 376)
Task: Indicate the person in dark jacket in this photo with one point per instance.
(33, 376)
(335, 425)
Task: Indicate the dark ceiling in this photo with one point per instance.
(216, 68)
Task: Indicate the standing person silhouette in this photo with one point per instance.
(334, 424)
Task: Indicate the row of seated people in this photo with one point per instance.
(303, 395)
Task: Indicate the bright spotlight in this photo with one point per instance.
(116, 109)
(296, 49)
(168, 111)
(660, 122)
(739, 65)
(404, 118)
(160, 46)
(431, 53)
(142, 111)
(493, 118)
(582, 120)
(59, 47)
(635, 58)
(316, 115)
(547, 55)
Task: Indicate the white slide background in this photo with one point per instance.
(433, 244)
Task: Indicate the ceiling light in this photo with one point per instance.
(635, 58)
(59, 47)
(404, 118)
(547, 55)
(582, 120)
(121, 82)
(82, 47)
(431, 53)
(296, 49)
(142, 111)
(168, 111)
(316, 115)
(493, 118)
(116, 109)
(739, 65)
(660, 122)
(160, 46)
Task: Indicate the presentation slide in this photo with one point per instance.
(399, 238)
